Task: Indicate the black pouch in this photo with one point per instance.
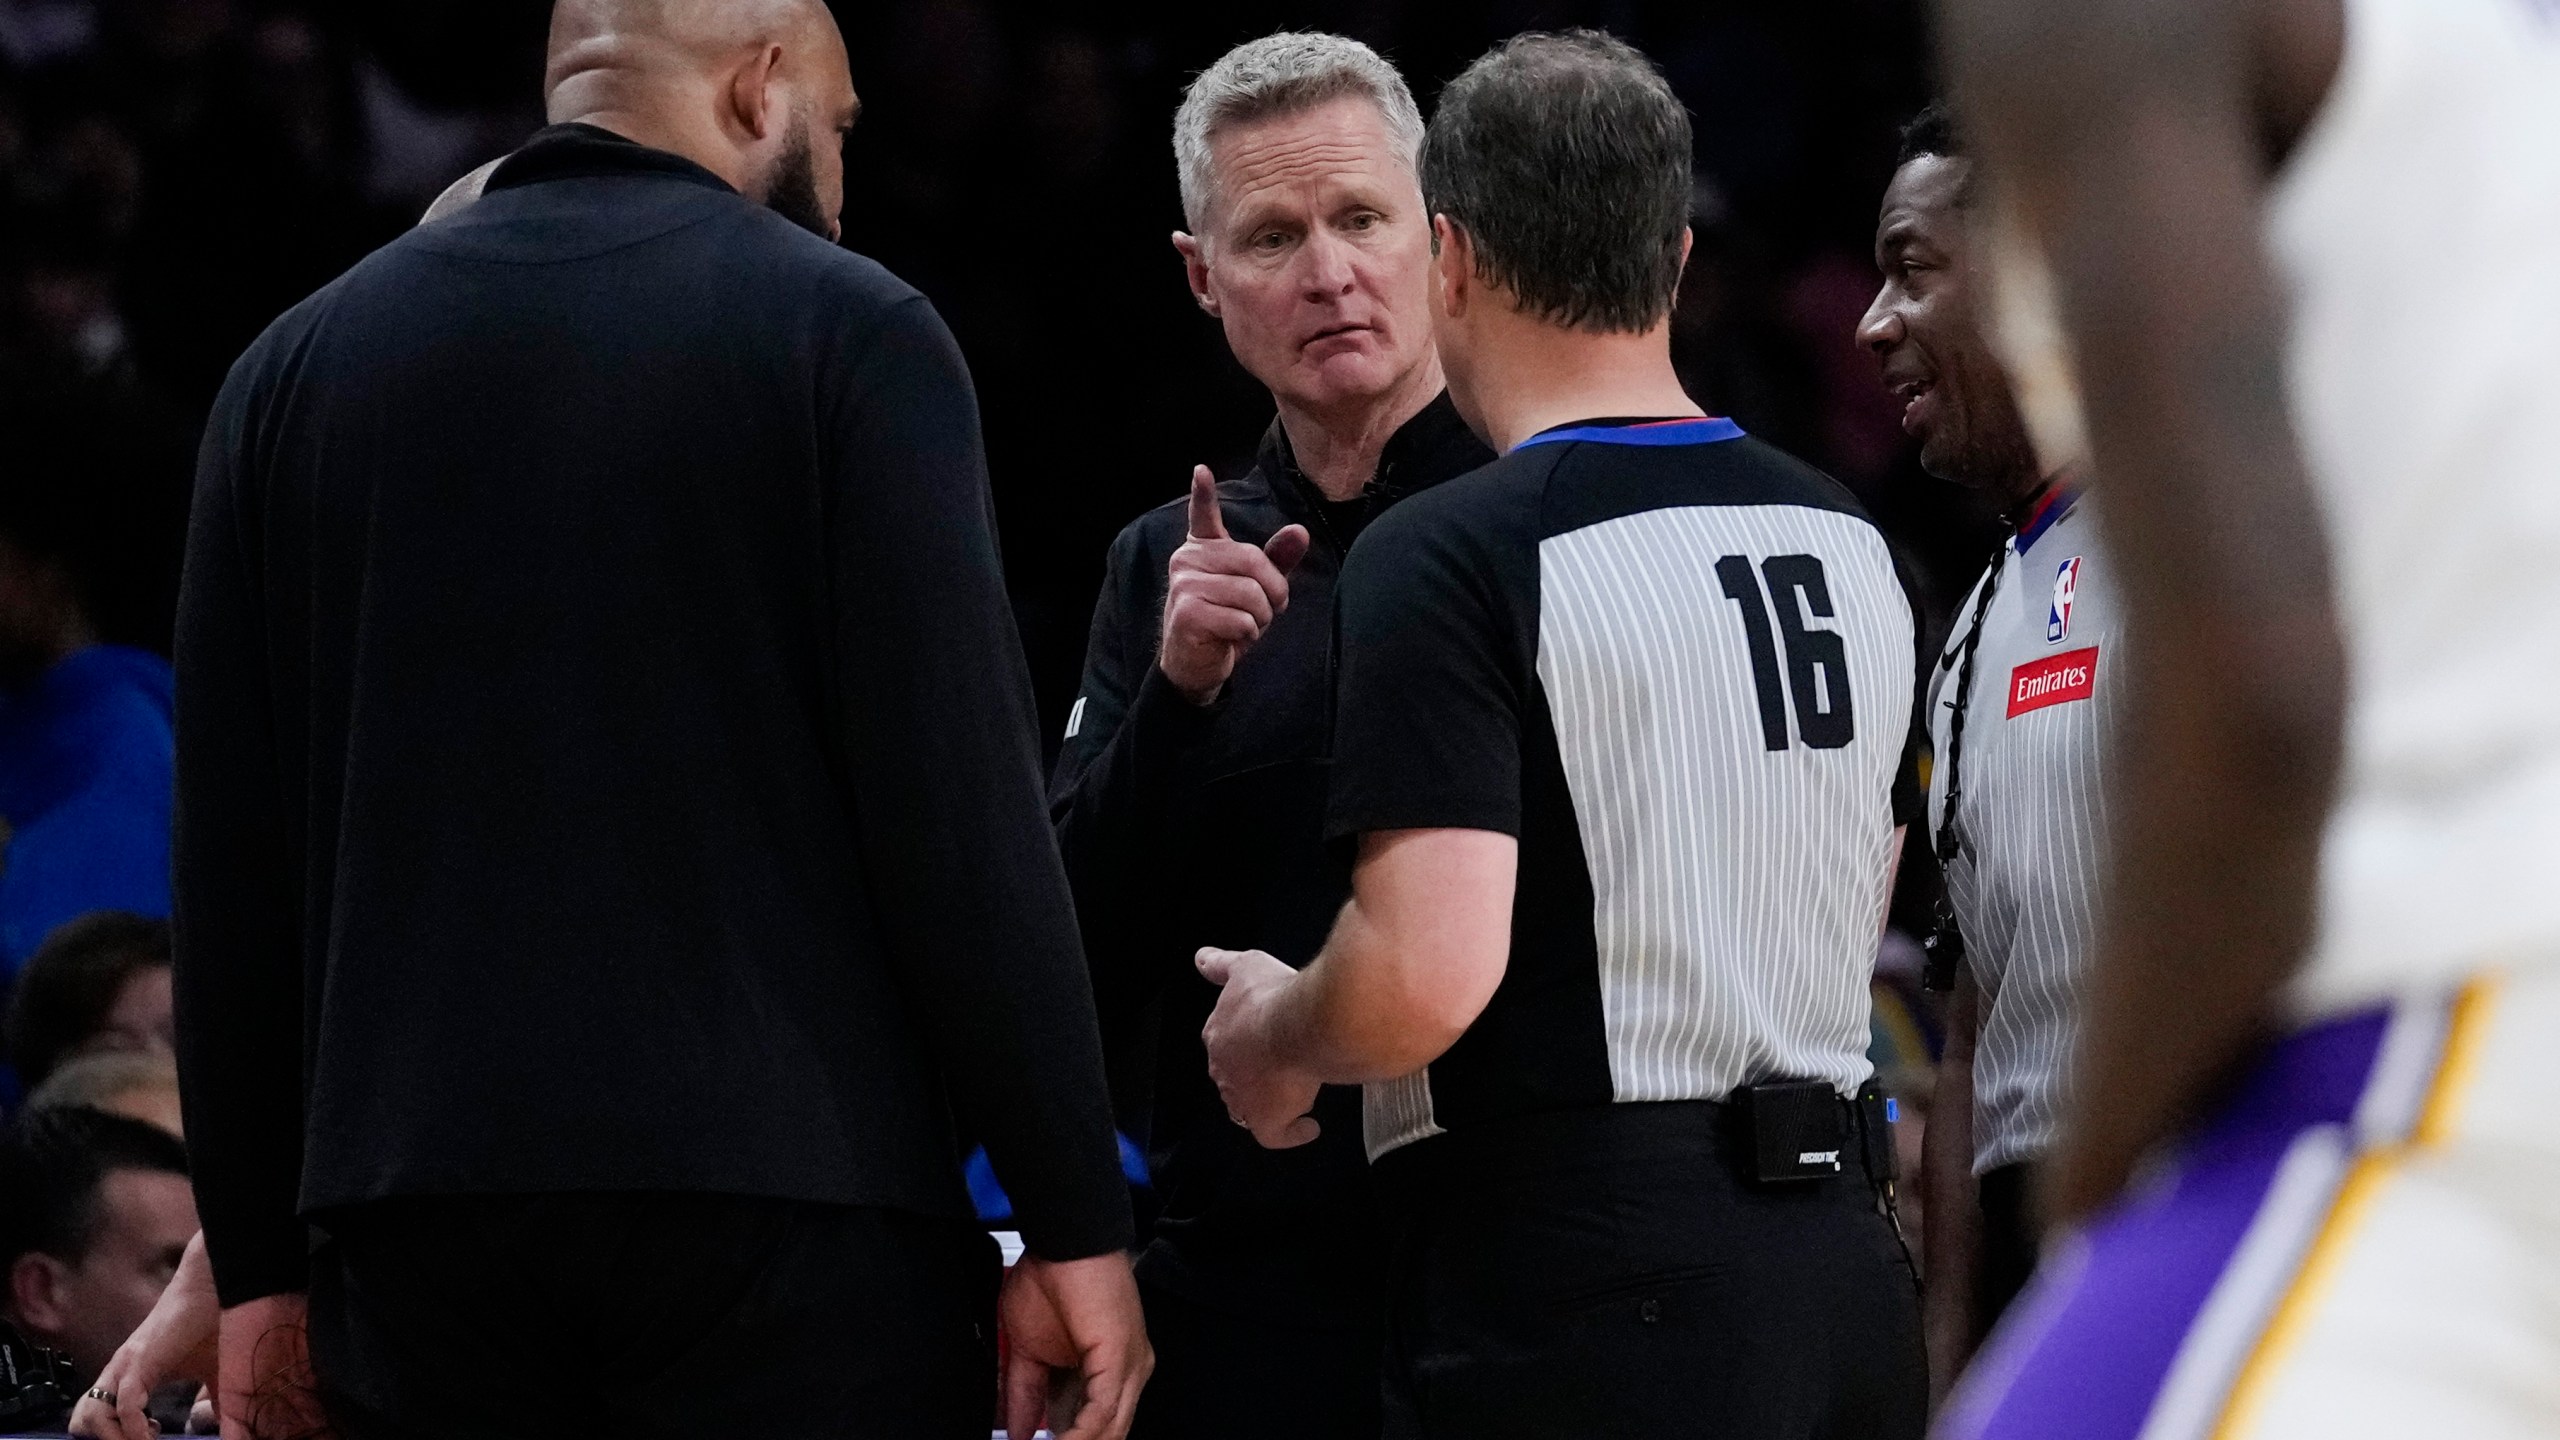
(1875, 1132)
(1798, 1130)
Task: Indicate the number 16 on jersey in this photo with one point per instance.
(1817, 668)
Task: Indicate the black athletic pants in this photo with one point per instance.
(1608, 1273)
(1224, 1376)
(2007, 1255)
(636, 1315)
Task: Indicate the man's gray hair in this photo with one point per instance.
(1284, 74)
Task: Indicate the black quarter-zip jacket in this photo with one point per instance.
(605, 757)
(1186, 825)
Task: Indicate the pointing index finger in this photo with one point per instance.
(1206, 522)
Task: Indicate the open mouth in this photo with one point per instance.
(1914, 394)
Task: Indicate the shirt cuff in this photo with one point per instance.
(1099, 1230)
(254, 1264)
(1162, 724)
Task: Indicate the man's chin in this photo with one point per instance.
(1348, 379)
(1942, 458)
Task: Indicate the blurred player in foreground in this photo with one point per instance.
(2340, 822)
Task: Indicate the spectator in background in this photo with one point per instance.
(138, 1087)
(98, 984)
(171, 1352)
(95, 1212)
(86, 736)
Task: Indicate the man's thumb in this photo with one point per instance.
(1215, 964)
(1287, 548)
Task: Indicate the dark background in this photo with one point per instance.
(174, 173)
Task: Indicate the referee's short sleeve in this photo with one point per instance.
(1430, 682)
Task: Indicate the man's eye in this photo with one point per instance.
(1365, 220)
(1269, 240)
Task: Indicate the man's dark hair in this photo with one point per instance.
(1567, 160)
(67, 987)
(1931, 132)
(51, 1165)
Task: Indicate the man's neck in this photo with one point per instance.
(2025, 490)
(50, 626)
(1532, 376)
(641, 127)
(25, 663)
(1338, 450)
(74, 635)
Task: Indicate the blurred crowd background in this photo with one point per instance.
(175, 173)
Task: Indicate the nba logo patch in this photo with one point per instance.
(2066, 583)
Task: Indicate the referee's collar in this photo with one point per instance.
(2041, 514)
(1616, 430)
(571, 151)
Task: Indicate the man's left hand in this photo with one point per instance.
(1264, 1093)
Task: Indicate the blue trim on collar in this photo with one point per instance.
(1700, 430)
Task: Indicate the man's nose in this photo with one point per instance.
(1880, 329)
(1330, 274)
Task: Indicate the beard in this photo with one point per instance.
(794, 192)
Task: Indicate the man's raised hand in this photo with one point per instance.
(1221, 595)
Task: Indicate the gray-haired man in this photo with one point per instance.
(1189, 796)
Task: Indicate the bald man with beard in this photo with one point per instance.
(611, 858)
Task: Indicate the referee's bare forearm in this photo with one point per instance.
(1413, 960)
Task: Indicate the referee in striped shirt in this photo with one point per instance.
(2020, 705)
(1618, 729)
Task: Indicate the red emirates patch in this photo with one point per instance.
(2072, 675)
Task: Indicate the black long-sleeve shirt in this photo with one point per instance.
(605, 757)
(1186, 826)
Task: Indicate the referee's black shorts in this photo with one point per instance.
(1610, 1273)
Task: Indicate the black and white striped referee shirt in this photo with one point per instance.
(2024, 880)
(1677, 665)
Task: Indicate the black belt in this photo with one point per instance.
(1779, 1134)
(1814, 1139)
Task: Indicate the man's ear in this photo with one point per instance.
(756, 105)
(1453, 264)
(36, 1298)
(1195, 268)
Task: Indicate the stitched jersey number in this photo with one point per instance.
(1817, 669)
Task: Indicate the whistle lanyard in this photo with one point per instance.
(1950, 838)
